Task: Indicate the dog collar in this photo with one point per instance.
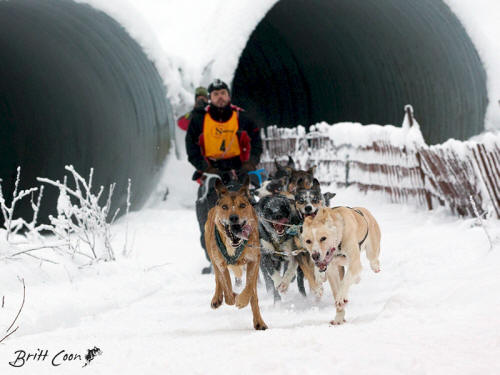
(230, 259)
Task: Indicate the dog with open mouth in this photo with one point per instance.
(277, 216)
(232, 238)
(309, 201)
(335, 238)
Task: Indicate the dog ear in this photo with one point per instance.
(321, 215)
(329, 220)
(327, 197)
(316, 185)
(311, 170)
(220, 188)
(291, 163)
(244, 187)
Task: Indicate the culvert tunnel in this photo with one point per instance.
(77, 90)
(362, 61)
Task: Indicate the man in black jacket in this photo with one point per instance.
(200, 102)
(223, 140)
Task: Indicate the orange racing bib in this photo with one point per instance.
(220, 138)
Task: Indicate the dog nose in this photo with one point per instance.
(234, 219)
(315, 256)
(308, 209)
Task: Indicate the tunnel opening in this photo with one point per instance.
(77, 90)
(362, 61)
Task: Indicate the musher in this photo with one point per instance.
(221, 141)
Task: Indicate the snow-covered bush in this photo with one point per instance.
(82, 226)
(83, 220)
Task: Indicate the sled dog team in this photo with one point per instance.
(293, 228)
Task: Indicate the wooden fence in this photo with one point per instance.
(395, 161)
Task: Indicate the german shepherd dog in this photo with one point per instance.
(335, 238)
(232, 238)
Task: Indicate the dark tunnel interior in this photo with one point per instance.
(362, 61)
(76, 89)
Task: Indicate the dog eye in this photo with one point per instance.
(225, 207)
(308, 241)
(301, 201)
(243, 205)
(315, 201)
(322, 239)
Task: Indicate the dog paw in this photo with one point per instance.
(216, 302)
(260, 326)
(242, 300)
(283, 287)
(336, 322)
(230, 300)
(375, 266)
(318, 292)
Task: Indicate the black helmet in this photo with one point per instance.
(217, 84)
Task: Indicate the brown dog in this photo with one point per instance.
(335, 238)
(232, 239)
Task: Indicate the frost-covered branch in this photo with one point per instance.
(11, 225)
(81, 219)
(82, 226)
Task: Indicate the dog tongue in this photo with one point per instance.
(245, 231)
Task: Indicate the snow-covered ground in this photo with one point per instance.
(434, 308)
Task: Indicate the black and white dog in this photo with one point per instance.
(309, 201)
(276, 215)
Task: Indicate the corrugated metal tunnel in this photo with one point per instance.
(76, 89)
(362, 61)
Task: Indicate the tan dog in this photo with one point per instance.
(232, 239)
(334, 238)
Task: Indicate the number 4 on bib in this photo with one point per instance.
(223, 146)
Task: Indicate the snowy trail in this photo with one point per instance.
(434, 308)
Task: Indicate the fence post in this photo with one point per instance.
(422, 176)
(347, 170)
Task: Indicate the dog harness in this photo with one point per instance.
(363, 216)
(230, 259)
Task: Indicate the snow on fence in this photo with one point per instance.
(395, 161)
